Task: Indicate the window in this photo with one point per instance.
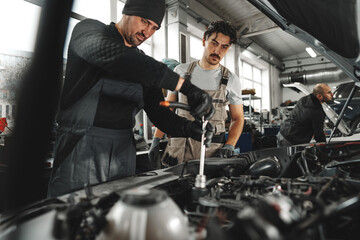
(247, 71)
(120, 6)
(15, 13)
(196, 49)
(251, 77)
(96, 9)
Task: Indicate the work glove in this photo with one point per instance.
(154, 153)
(226, 151)
(199, 101)
(169, 161)
(193, 129)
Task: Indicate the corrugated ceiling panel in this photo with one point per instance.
(235, 11)
(278, 43)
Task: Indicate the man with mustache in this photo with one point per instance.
(107, 81)
(307, 118)
(225, 89)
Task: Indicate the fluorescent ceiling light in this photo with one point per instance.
(311, 52)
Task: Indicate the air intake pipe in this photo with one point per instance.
(327, 75)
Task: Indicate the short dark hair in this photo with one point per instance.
(223, 27)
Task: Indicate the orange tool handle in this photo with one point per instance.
(175, 105)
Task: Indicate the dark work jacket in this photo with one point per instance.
(97, 50)
(305, 121)
(106, 84)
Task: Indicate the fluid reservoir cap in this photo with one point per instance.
(143, 197)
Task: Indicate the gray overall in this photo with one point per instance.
(88, 154)
(185, 149)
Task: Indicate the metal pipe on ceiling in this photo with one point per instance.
(327, 75)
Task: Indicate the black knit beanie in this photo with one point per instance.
(148, 9)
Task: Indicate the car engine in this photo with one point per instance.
(299, 192)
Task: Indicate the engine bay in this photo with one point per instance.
(299, 192)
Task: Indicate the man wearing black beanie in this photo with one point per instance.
(107, 81)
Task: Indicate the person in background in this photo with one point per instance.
(225, 89)
(107, 81)
(306, 120)
(171, 63)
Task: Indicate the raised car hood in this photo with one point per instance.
(330, 27)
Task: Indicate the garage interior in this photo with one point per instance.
(274, 67)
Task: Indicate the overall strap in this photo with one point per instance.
(225, 75)
(190, 70)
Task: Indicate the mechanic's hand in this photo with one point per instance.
(193, 129)
(209, 115)
(170, 161)
(226, 151)
(199, 101)
(154, 153)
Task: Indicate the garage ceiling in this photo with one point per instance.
(254, 26)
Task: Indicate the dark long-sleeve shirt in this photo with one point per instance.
(305, 121)
(97, 50)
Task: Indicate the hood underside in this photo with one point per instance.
(334, 23)
(330, 27)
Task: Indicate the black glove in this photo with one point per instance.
(199, 101)
(154, 153)
(193, 129)
(226, 151)
(169, 161)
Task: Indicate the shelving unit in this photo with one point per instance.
(250, 115)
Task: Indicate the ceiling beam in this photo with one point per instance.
(256, 26)
(251, 34)
(252, 18)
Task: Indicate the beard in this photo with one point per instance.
(330, 101)
(134, 40)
